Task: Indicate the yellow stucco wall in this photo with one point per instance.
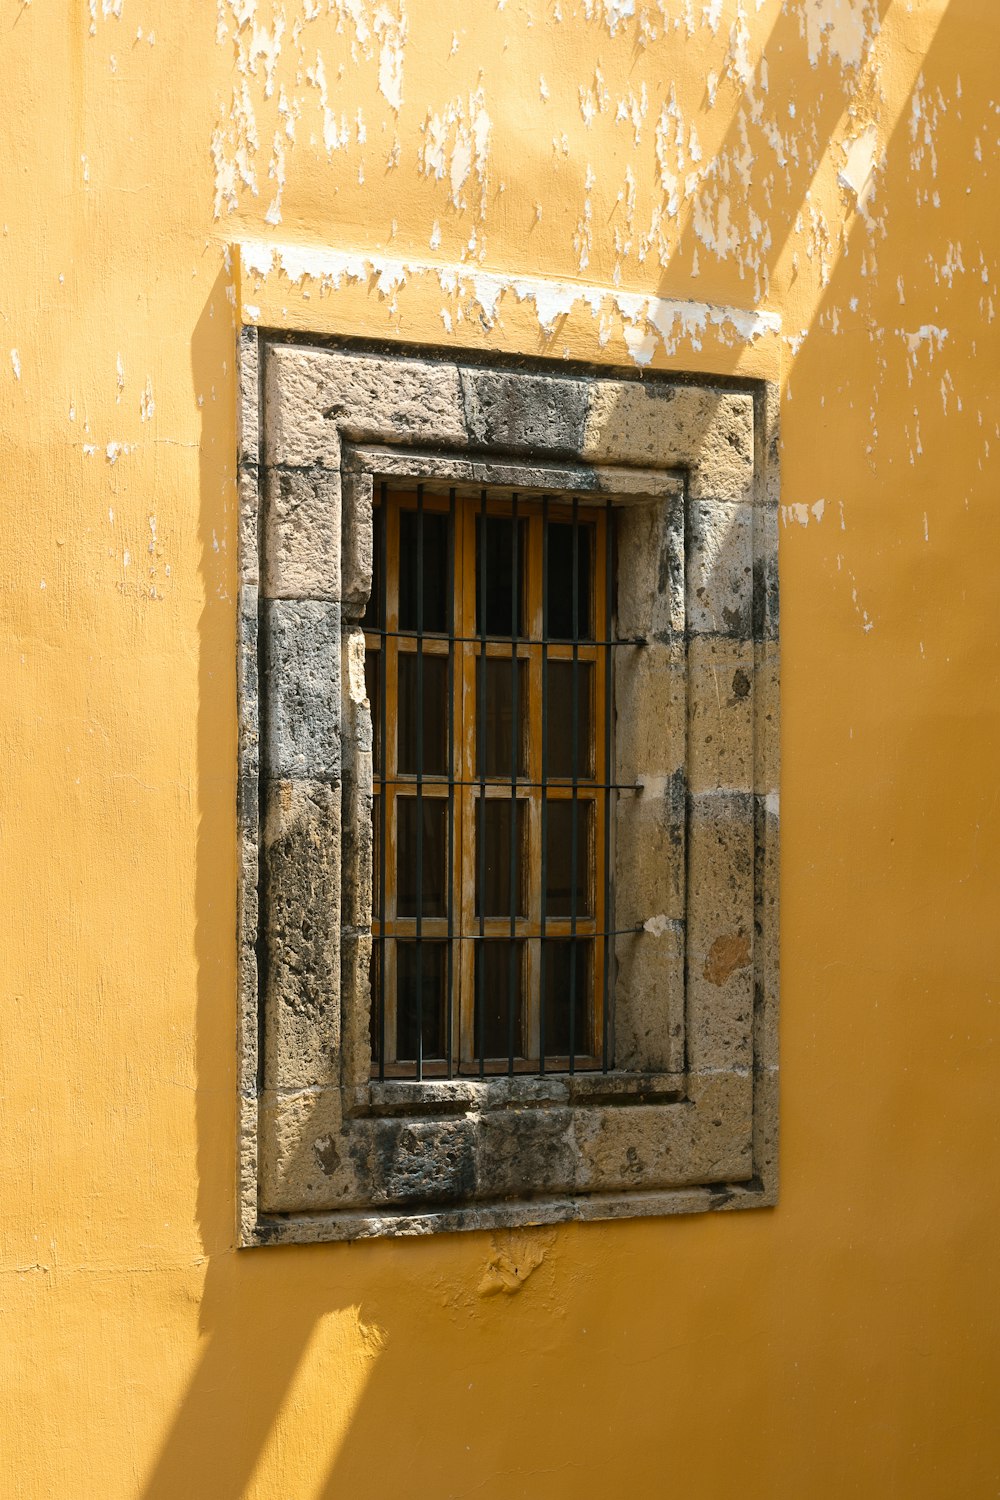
(827, 163)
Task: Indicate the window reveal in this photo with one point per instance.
(488, 665)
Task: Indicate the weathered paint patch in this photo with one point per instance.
(649, 325)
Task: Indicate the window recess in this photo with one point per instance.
(489, 636)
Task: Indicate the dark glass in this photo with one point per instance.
(375, 983)
(559, 717)
(497, 998)
(435, 714)
(494, 741)
(373, 609)
(437, 585)
(501, 575)
(433, 966)
(498, 856)
(376, 854)
(559, 590)
(373, 672)
(559, 858)
(432, 880)
(560, 995)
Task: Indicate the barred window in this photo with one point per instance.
(488, 660)
(508, 795)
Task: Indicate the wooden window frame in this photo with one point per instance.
(534, 647)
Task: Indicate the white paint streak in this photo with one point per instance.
(391, 32)
(643, 318)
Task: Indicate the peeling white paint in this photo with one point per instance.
(801, 514)
(646, 319)
(858, 171)
(15, 363)
(844, 28)
(614, 13)
(391, 32)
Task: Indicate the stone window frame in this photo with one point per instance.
(688, 1121)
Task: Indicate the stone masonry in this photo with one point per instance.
(687, 1120)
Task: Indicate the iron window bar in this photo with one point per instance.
(574, 868)
(523, 641)
(450, 872)
(543, 912)
(480, 952)
(419, 955)
(383, 751)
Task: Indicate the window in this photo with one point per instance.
(507, 793)
(488, 639)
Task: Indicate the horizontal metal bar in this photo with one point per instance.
(494, 640)
(442, 783)
(582, 935)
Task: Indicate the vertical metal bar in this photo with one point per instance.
(451, 784)
(420, 781)
(545, 777)
(608, 780)
(514, 735)
(383, 753)
(481, 819)
(574, 836)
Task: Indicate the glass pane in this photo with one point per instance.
(495, 739)
(559, 883)
(499, 999)
(372, 676)
(437, 584)
(568, 992)
(559, 583)
(559, 720)
(499, 860)
(435, 714)
(373, 609)
(421, 891)
(376, 855)
(504, 575)
(375, 982)
(421, 1002)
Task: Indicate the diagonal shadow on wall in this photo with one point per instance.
(436, 1396)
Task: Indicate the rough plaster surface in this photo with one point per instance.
(683, 1122)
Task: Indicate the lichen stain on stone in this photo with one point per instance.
(515, 1255)
(726, 955)
(327, 1154)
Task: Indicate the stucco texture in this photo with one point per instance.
(798, 191)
